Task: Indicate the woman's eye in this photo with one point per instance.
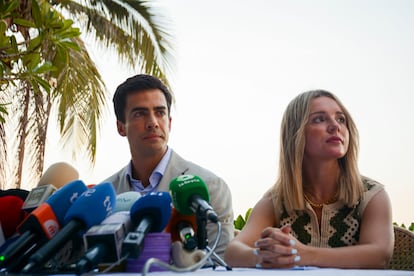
(318, 119)
(341, 120)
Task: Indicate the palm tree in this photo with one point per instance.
(45, 69)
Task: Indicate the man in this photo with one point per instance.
(142, 108)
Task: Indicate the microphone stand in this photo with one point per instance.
(218, 260)
(202, 241)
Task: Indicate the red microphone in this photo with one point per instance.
(11, 214)
(182, 228)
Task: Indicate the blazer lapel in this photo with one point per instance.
(176, 166)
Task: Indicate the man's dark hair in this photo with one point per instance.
(137, 84)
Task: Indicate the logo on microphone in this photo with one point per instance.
(51, 227)
(89, 192)
(74, 197)
(186, 179)
(107, 204)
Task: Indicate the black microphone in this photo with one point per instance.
(190, 196)
(91, 208)
(182, 228)
(104, 241)
(37, 196)
(150, 213)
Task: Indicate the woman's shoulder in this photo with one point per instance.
(371, 188)
(371, 185)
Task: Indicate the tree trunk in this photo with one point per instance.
(21, 136)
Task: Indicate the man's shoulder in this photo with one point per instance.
(116, 176)
(119, 180)
(189, 167)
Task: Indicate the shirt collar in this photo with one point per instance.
(155, 177)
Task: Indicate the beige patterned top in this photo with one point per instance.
(340, 225)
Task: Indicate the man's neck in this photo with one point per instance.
(142, 168)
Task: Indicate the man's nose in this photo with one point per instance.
(152, 122)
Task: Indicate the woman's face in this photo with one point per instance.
(326, 132)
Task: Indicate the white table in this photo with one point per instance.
(281, 272)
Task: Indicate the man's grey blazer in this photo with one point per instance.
(220, 195)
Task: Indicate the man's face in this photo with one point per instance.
(147, 123)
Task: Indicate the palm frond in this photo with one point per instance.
(81, 97)
(130, 27)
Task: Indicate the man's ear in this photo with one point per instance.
(121, 128)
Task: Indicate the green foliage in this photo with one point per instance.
(33, 58)
(39, 48)
(45, 66)
(32, 48)
(239, 222)
(411, 227)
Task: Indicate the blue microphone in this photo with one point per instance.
(91, 208)
(150, 213)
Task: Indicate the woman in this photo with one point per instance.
(321, 211)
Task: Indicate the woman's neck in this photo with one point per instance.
(320, 180)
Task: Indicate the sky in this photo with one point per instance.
(238, 65)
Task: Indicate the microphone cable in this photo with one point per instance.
(194, 267)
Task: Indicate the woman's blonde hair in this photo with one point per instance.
(289, 185)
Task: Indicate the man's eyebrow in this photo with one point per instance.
(139, 108)
(161, 107)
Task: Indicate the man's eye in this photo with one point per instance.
(138, 114)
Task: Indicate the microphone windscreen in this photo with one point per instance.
(14, 192)
(62, 199)
(93, 206)
(183, 187)
(125, 200)
(176, 219)
(11, 214)
(59, 174)
(157, 205)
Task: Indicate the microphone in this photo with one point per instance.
(14, 192)
(184, 258)
(104, 242)
(125, 200)
(43, 222)
(182, 229)
(190, 196)
(58, 174)
(37, 196)
(89, 209)
(150, 213)
(11, 214)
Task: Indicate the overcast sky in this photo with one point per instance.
(239, 63)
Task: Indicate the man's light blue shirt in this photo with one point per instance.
(155, 176)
